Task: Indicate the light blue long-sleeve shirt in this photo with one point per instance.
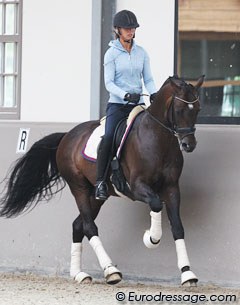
(124, 72)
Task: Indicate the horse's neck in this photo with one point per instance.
(157, 135)
(159, 107)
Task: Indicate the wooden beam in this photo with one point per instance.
(216, 83)
(205, 15)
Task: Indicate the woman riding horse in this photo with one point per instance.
(125, 64)
(151, 161)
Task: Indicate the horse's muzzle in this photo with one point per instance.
(188, 143)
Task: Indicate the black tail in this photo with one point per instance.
(33, 177)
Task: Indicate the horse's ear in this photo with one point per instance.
(199, 82)
(175, 82)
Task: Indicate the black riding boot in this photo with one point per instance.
(101, 191)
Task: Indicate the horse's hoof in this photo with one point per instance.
(148, 242)
(188, 278)
(87, 280)
(191, 283)
(112, 275)
(113, 279)
(83, 278)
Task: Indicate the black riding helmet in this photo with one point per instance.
(125, 19)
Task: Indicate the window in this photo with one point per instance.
(219, 60)
(209, 43)
(10, 55)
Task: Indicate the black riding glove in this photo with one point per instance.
(132, 98)
(152, 97)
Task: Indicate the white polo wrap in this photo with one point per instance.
(182, 256)
(103, 258)
(156, 226)
(76, 253)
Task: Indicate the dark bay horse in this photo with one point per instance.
(152, 162)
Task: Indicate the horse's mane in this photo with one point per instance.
(180, 82)
(174, 77)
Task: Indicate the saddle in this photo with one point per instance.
(122, 131)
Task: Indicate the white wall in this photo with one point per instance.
(56, 54)
(56, 60)
(155, 34)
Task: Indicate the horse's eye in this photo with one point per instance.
(179, 111)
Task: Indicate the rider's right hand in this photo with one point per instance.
(132, 98)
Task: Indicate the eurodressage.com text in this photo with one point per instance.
(132, 296)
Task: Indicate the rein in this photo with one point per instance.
(175, 130)
(160, 123)
(156, 120)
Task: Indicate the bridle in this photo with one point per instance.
(183, 131)
(179, 132)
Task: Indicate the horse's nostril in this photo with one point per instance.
(186, 147)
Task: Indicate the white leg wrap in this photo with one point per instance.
(76, 255)
(75, 268)
(183, 261)
(182, 256)
(156, 225)
(103, 258)
(151, 237)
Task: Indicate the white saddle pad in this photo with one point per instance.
(90, 150)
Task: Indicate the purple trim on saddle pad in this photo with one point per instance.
(124, 138)
(86, 156)
(126, 133)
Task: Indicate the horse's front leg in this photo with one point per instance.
(172, 196)
(152, 237)
(144, 193)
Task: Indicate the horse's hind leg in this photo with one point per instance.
(89, 208)
(76, 253)
(172, 206)
(77, 247)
